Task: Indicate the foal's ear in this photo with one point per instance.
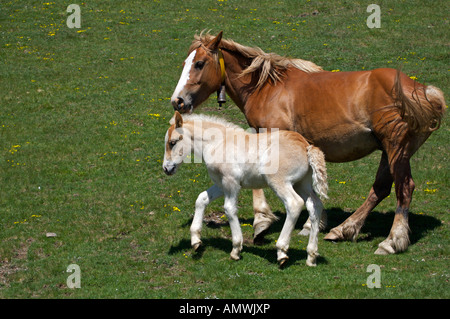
(214, 44)
(178, 119)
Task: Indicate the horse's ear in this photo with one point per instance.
(178, 119)
(214, 44)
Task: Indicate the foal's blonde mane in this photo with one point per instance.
(269, 65)
(210, 119)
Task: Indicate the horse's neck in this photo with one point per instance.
(238, 88)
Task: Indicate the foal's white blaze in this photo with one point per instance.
(184, 75)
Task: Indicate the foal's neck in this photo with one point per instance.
(199, 140)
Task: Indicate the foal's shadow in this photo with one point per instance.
(262, 249)
(224, 244)
(377, 225)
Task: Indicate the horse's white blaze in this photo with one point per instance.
(184, 75)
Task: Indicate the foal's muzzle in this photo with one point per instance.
(169, 169)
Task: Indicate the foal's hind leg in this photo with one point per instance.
(293, 203)
(314, 207)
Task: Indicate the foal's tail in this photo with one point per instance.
(424, 110)
(316, 160)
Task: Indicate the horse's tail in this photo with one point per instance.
(422, 113)
(316, 160)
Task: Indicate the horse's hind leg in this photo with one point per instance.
(399, 148)
(394, 167)
(398, 239)
(263, 216)
(381, 188)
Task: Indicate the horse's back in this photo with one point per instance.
(332, 110)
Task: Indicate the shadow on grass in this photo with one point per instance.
(267, 252)
(377, 225)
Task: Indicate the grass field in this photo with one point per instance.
(83, 113)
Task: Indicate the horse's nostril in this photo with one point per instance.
(178, 103)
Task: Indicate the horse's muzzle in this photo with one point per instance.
(180, 105)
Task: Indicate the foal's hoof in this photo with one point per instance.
(282, 261)
(311, 263)
(235, 257)
(196, 246)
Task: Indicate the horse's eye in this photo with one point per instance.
(199, 65)
(172, 143)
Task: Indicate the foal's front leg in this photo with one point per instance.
(202, 201)
(230, 206)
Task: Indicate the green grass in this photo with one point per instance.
(83, 115)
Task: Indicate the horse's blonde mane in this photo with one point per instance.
(269, 65)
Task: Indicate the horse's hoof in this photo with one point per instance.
(334, 235)
(259, 233)
(384, 249)
(304, 232)
(258, 239)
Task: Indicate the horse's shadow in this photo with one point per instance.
(377, 225)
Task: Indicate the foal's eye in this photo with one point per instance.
(172, 143)
(199, 65)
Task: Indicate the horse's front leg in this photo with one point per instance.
(263, 216)
(202, 201)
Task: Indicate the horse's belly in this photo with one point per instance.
(348, 146)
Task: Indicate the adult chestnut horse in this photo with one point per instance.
(348, 115)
